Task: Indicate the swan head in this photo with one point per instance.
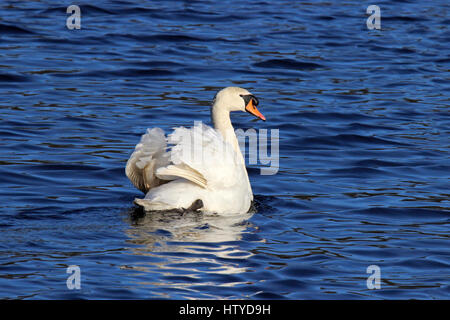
(237, 99)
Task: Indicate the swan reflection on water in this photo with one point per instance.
(188, 244)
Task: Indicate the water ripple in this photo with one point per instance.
(363, 137)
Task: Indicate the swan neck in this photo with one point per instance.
(221, 120)
(222, 123)
(220, 115)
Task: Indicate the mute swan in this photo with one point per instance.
(203, 169)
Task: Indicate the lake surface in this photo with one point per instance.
(363, 119)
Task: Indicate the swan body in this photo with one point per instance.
(198, 168)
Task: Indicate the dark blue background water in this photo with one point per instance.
(364, 148)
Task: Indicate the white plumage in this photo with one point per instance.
(198, 163)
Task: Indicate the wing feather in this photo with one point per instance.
(147, 157)
(172, 172)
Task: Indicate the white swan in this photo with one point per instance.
(203, 169)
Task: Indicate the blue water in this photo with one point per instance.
(363, 118)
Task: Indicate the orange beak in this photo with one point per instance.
(252, 109)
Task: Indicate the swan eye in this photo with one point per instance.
(248, 97)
